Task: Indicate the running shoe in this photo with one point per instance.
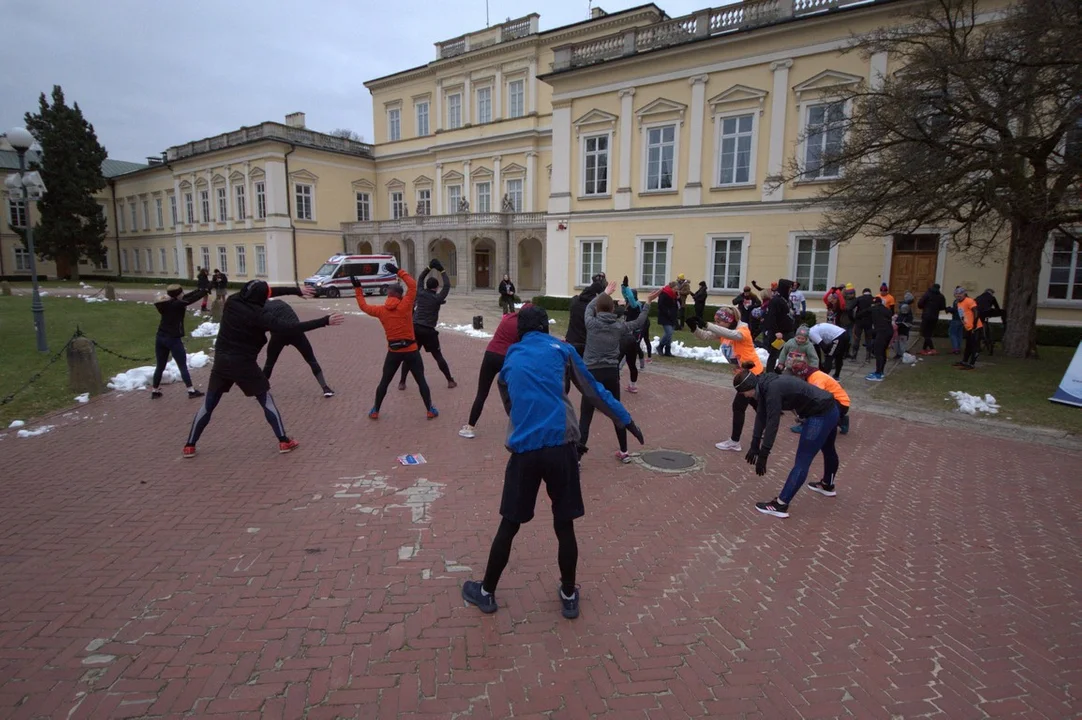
(327, 392)
(287, 446)
(467, 432)
(632, 389)
(155, 394)
(624, 457)
(570, 605)
(193, 393)
(188, 452)
(733, 445)
(433, 413)
(373, 414)
(874, 377)
(451, 384)
(796, 428)
(471, 593)
(401, 386)
(774, 507)
(822, 489)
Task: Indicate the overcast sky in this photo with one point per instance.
(150, 74)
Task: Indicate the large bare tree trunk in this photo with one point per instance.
(1023, 284)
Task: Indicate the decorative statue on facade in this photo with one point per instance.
(463, 205)
(508, 205)
(421, 209)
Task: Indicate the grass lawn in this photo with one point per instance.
(96, 284)
(1022, 387)
(124, 327)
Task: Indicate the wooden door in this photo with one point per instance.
(914, 272)
(63, 269)
(481, 274)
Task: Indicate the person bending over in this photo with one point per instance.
(821, 380)
(426, 316)
(736, 335)
(832, 343)
(298, 340)
(170, 337)
(491, 364)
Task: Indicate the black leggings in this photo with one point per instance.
(567, 554)
(279, 341)
(879, 350)
(740, 409)
(927, 330)
(609, 378)
(631, 351)
(491, 364)
(423, 335)
(972, 346)
(412, 361)
(163, 347)
(860, 332)
(211, 400)
(834, 354)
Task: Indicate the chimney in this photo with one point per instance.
(295, 120)
(596, 13)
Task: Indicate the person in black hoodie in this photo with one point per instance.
(507, 295)
(241, 335)
(576, 322)
(279, 340)
(778, 321)
(202, 282)
(862, 324)
(426, 316)
(931, 305)
(699, 298)
(169, 340)
(882, 321)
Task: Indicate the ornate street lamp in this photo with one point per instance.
(29, 188)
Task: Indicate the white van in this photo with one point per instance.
(332, 280)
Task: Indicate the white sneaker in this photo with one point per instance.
(467, 432)
(728, 445)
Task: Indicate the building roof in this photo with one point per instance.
(9, 160)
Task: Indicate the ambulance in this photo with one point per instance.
(332, 279)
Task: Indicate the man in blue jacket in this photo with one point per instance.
(542, 436)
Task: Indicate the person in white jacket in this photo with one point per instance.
(832, 342)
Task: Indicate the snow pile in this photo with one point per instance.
(82, 399)
(94, 298)
(43, 293)
(551, 321)
(468, 330)
(708, 354)
(973, 404)
(140, 377)
(207, 329)
(36, 431)
(16, 424)
(84, 286)
(909, 359)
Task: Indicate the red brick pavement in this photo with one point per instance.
(943, 581)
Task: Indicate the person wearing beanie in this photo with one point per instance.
(931, 305)
(773, 394)
(862, 325)
(668, 315)
(777, 322)
(683, 291)
(298, 340)
(737, 337)
(888, 299)
(821, 380)
(542, 438)
(426, 316)
(799, 348)
(972, 325)
(241, 335)
(904, 322)
(747, 303)
(169, 340)
(882, 320)
(491, 364)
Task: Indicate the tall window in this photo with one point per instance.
(242, 203)
(22, 259)
(394, 124)
(514, 192)
(727, 253)
(159, 212)
(204, 254)
(176, 262)
(516, 98)
(595, 165)
(734, 165)
(260, 260)
(242, 260)
(484, 197)
(223, 258)
(204, 204)
(134, 217)
(17, 213)
(454, 111)
(422, 119)
(146, 214)
(104, 263)
(591, 259)
(162, 256)
(304, 202)
(660, 156)
(424, 201)
(150, 260)
(223, 205)
(190, 206)
(260, 200)
(124, 260)
(398, 204)
(120, 218)
(824, 133)
(655, 262)
(173, 208)
(1065, 275)
(484, 105)
(364, 207)
(135, 260)
(812, 263)
(454, 197)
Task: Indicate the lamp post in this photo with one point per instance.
(30, 189)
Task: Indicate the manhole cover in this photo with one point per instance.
(669, 460)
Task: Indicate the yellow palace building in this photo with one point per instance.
(631, 143)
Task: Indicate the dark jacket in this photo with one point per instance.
(987, 306)
(666, 307)
(222, 282)
(576, 322)
(931, 304)
(245, 324)
(202, 280)
(426, 308)
(507, 288)
(745, 305)
(881, 320)
(282, 312)
(775, 393)
(860, 311)
(173, 310)
(699, 297)
(777, 318)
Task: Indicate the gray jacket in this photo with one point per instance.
(426, 308)
(604, 332)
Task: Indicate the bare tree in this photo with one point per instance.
(979, 131)
(347, 134)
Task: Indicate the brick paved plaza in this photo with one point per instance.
(944, 580)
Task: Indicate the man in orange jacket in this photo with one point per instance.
(823, 381)
(971, 322)
(396, 316)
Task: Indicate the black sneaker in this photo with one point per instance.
(822, 489)
(471, 593)
(774, 507)
(195, 393)
(570, 605)
(327, 392)
(155, 394)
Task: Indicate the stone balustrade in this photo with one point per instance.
(270, 131)
(456, 221)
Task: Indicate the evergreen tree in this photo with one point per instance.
(71, 225)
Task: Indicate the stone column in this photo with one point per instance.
(497, 190)
(438, 106)
(778, 102)
(212, 202)
(557, 233)
(466, 186)
(531, 86)
(497, 95)
(230, 204)
(249, 198)
(693, 190)
(437, 190)
(467, 100)
(178, 228)
(528, 186)
(626, 131)
(84, 373)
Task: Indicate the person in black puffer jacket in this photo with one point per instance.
(576, 322)
(284, 312)
(241, 335)
(860, 311)
(777, 321)
(882, 321)
(169, 340)
(426, 316)
(931, 305)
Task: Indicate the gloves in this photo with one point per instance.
(760, 464)
(391, 268)
(436, 265)
(356, 281)
(635, 431)
(753, 452)
(692, 323)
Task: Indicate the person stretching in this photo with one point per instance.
(542, 435)
(737, 336)
(396, 316)
(241, 335)
(172, 307)
(279, 340)
(971, 322)
(774, 394)
(832, 343)
(823, 381)
(491, 364)
(426, 316)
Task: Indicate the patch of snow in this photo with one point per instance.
(99, 298)
(36, 431)
(17, 424)
(467, 329)
(141, 377)
(84, 398)
(84, 286)
(909, 359)
(551, 321)
(973, 404)
(207, 329)
(707, 354)
(43, 293)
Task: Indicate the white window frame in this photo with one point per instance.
(204, 206)
(521, 95)
(608, 164)
(241, 199)
(719, 121)
(223, 259)
(120, 218)
(580, 242)
(135, 255)
(484, 101)
(394, 124)
(398, 204)
(146, 214)
(163, 259)
(832, 261)
(150, 260)
(17, 208)
(487, 207)
(189, 206)
(204, 255)
(22, 258)
(639, 247)
(802, 149)
(519, 194)
(646, 156)
(304, 201)
(134, 217)
(424, 198)
(159, 211)
(104, 264)
(241, 253)
(261, 200)
(454, 110)
(124, 260)
(221, 198)
(421, 117)
(453, 198)
(260, 260)
(173, 209)
(1046, 276)
(364, 206)
(745, 243)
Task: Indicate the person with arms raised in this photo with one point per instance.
(170, 337)
(737, 336)
(426, 316)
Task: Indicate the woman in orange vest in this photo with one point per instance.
(737, 336)
(971, 322)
